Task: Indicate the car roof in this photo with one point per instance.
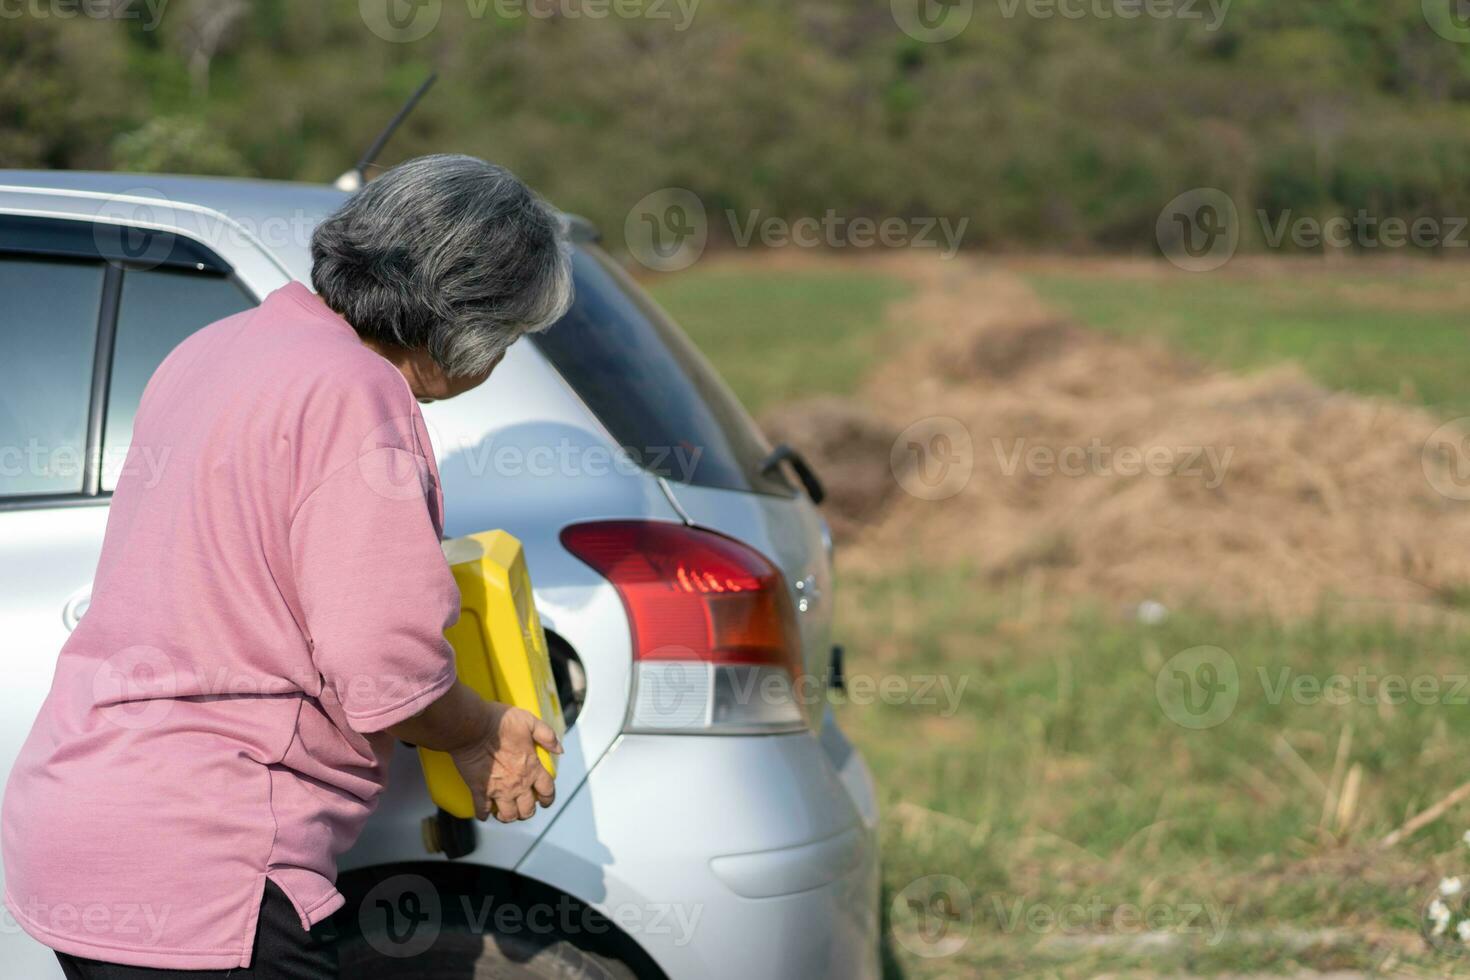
(252, 201)
(247, 200)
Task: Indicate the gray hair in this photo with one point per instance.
(447, 254)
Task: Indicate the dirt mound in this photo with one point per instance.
(1005, 350)
(1110, 468)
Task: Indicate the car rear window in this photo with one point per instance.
(651, 387)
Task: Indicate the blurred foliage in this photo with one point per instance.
(1041, 130)
(169, 144)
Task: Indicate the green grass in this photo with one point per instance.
(1061, 785)
(779, 336)
(1397, 330)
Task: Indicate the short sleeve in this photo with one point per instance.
(375, 588)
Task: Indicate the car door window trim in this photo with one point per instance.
(79, 238)
(101, 378)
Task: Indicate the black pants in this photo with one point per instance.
(282, 952)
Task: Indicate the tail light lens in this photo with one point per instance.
(716, 647)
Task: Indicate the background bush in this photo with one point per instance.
(1043, 132)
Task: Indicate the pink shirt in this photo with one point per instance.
(262, 610)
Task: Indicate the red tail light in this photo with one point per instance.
(692, 594)
(711, 618)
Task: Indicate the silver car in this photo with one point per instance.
(711, 820)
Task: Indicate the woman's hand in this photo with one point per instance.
(501, 767)
(494, 747)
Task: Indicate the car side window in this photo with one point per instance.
(48, 320)
(158, 309)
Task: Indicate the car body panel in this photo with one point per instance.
(635, 843)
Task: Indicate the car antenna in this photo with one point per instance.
(353, 179)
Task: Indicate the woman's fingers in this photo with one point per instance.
(526, 806)
(545, 737)
(509, 809)
(544, 787)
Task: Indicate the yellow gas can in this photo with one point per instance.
(500, 649)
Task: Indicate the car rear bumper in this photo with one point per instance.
(727, 856)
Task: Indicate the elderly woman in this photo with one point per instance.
(269, 615)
